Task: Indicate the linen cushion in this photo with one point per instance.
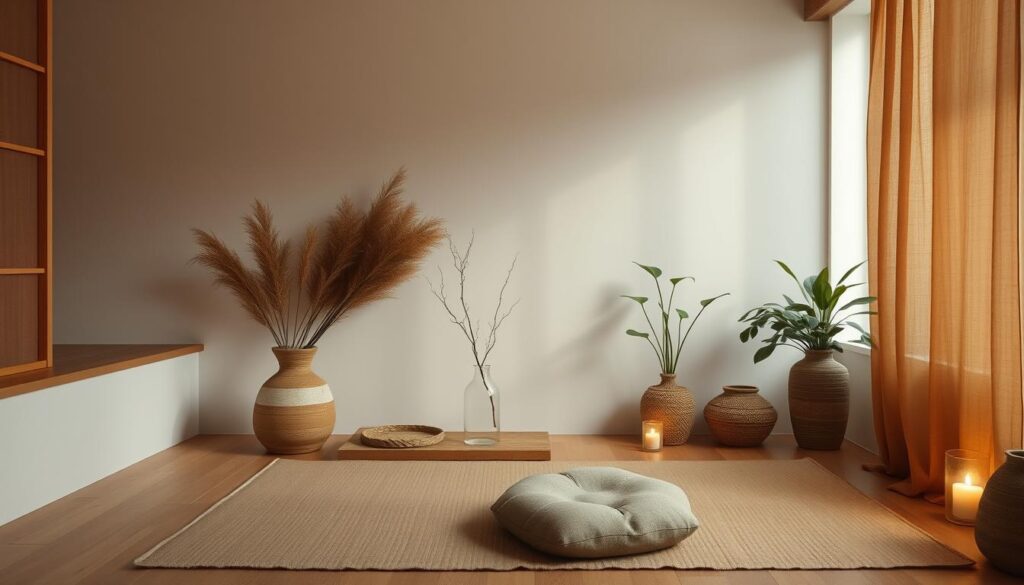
(593, 512)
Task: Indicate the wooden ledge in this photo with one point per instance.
(72, 363)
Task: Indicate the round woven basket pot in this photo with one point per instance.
(819, 400)
(671, 404)
(740, 417)
(294, 411)
(999, 530)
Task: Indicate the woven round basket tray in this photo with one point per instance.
(401, 436)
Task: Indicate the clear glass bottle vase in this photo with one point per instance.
(481, 409)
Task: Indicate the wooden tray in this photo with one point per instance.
(512, 446)
(401, 436)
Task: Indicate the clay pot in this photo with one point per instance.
(294, 411)
(671, 404)
(740, 417)
(819, 400)
(999, 530)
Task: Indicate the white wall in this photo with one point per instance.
(63, 438)
(580, 134)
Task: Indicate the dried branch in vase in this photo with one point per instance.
(459, 313)
(361, 258)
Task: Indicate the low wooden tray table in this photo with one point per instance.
(512, 446)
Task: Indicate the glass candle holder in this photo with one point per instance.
(653, 431)
(966, 473)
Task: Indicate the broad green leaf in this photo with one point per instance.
(855, 302)
(682, 314)
(640, 300)
(837, 294)
(857, 327)
(744, 335)
(821, 290)
(793, 276)
(763, 353)
(788, 270)
(809, 286)
(679, 279)
(707, 302)
(652, 270)
(849, 272)
(636, 333)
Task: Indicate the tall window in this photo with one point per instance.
(848, 225)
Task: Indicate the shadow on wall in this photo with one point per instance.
(581, 135)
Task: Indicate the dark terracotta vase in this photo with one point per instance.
(294, 410)
(819, 400)
(999, 530)
(671, 404)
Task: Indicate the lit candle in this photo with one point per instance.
(652, 435)
(965, 499)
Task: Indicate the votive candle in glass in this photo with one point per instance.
(966, 473)
(652, 433)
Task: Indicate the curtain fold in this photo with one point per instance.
(944, 232)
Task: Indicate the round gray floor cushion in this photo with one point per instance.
(593, 512)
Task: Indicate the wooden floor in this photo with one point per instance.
(92, 535)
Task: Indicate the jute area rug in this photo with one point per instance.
(435, 516)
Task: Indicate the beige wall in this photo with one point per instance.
(581, 134)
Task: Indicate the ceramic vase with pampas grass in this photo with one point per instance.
(359, 258)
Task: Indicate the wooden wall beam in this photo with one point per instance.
(823, 9)
(45, 182)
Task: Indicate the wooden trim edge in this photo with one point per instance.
(823, 9)
(17, 271)
(21, 368)
(22, 148)
(33, 383)
(22, 62)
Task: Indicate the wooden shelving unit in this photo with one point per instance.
(26, 199)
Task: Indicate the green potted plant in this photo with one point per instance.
(668, 402)
(819, 386)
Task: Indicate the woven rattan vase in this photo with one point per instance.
(294, 411)
(740, 417)
(999, 531)
(671, 404)
(819, 400)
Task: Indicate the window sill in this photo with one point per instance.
(855, 348)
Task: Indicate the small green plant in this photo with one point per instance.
(812, 324)
(667, 349)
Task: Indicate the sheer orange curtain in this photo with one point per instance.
(944, 232)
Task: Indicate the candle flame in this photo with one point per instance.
(967, 479)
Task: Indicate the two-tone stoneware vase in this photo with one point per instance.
(294, 411)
